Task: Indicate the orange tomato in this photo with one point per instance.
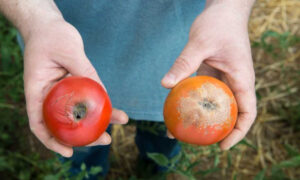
(200, 110)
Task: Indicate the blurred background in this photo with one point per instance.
(271, 149)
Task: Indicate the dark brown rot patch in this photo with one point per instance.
(79, 111)
(208, 104)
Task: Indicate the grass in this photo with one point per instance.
(271, 150)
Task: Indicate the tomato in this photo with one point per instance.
(200, 110)
(77, 111)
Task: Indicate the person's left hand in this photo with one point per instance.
(219, 46)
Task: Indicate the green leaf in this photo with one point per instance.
(260, 175)
(270, 34)
(217, 160)
(3, 163)
(277, 174)
(235, 176)
(292, 151)
(247, 143)
(4, 136)
(83, 167)
(293, 162)
(51, 177)
(191, 166)
(229, 159)
(95, 170)
(206, 172)
(176, 158)
(159, 159)
(23, 174)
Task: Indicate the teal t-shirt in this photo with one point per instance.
(132, 44)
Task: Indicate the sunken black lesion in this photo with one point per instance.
(79, 111)
(208, 104)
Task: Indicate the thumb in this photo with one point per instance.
(83, 67)
(186, 64)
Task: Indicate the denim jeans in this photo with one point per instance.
(150, 137)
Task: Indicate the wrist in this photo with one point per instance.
(238, 2)
(243, 7)
(38, 18)
(36, 24)
(30, 16)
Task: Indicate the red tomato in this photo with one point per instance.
(77, 111)
(200, 110)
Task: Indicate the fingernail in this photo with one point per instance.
(171, 137)
(67, 153)
(125, 118)
(226, 148)
(106, 139)
(169, 79)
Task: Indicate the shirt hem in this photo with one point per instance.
(145, 116)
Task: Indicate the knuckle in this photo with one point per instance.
(48, 145)
(183, 64)
(242, 87)
(32, 129)
(253, 114)
(243, 82)
(251, 76)
(89, 71)
(242, 133)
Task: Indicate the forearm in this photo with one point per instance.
(27, 15)
(242, 6)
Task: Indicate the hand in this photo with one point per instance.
(54, 50)
(219, 46)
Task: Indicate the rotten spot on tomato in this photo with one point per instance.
(79, 111)
(200, 110)
(206, 106)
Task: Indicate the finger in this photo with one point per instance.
(169, 135)
(244, 122)
(41, 132)
(80, 65)
(206, 70)
(37, 126)
(246, 101)
(238, 133)
(186, 64)
(84, 68)
(104, 139)
(39, 129)
(118, 117)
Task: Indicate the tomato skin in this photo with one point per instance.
(201, 134)
(59, 106)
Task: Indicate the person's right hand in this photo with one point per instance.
(53, 50)
(219, 46)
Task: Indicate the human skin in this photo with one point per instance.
(219, 46)
(53, 50)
